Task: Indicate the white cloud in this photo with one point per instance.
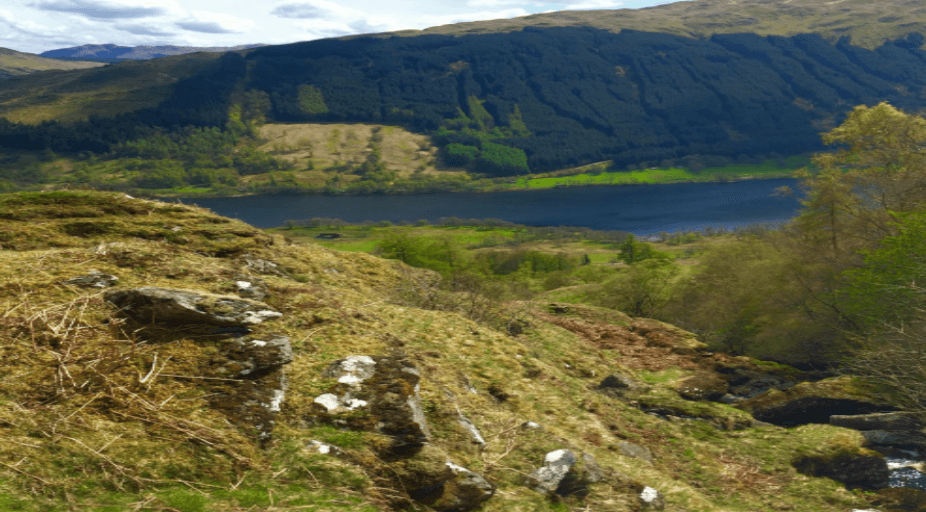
(103, 9)
(143, 29)
(214, 23)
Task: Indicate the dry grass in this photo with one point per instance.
(96, 412)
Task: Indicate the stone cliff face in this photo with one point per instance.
(160, 376)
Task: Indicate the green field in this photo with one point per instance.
(768, 169)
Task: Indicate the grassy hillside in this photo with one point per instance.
(98, 412)
(869, 24)
(13, 63)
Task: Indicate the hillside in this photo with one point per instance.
(160, 357)
(510, 102)
(868, 24)
(13, 63)
(113, 51)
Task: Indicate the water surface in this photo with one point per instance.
(639, 209)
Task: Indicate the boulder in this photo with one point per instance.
(172, 306)
(386, 388)
(813, 402)
(845, 462)
(900, 439)
(94, 279)
(565, 474)
(746, 382)
(877, 421)
(465, 491)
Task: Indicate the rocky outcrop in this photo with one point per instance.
(634, 450)
(703, 386)
(813, 402)
(251, 287)
(260, 266)
(878, 421)
(173, 306)
(565, 474)
(252, 355)
(380, 394)
(901, 439)
(386, 387)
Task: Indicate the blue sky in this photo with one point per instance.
(35, 26)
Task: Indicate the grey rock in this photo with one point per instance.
(634, 450)
(254, 403)
(877, 421)
(556, 466)
(180, 306)
(321, 448)
(565, 474)
(94, 279)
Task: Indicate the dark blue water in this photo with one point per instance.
(639, 209)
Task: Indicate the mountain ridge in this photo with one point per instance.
(144, 52)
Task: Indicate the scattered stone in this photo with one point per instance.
(813, 402)
(323, 448)
(94, 279)
(877, 421)
(260, 266)
(530, 425)
(179, 306)
(634, 450)
(651, 499)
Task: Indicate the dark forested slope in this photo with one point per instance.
(544, 97)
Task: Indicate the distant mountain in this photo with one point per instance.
(112, 51)
(13, 63)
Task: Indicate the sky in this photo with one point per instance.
(35, 26)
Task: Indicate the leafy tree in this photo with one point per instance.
(640, 290)
(459, 155)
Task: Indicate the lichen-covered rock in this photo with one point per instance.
(94, 279)
(250, 355)
(813, 402)
(172, 306)
(386, 388)
(565, 474)
(877, 421)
